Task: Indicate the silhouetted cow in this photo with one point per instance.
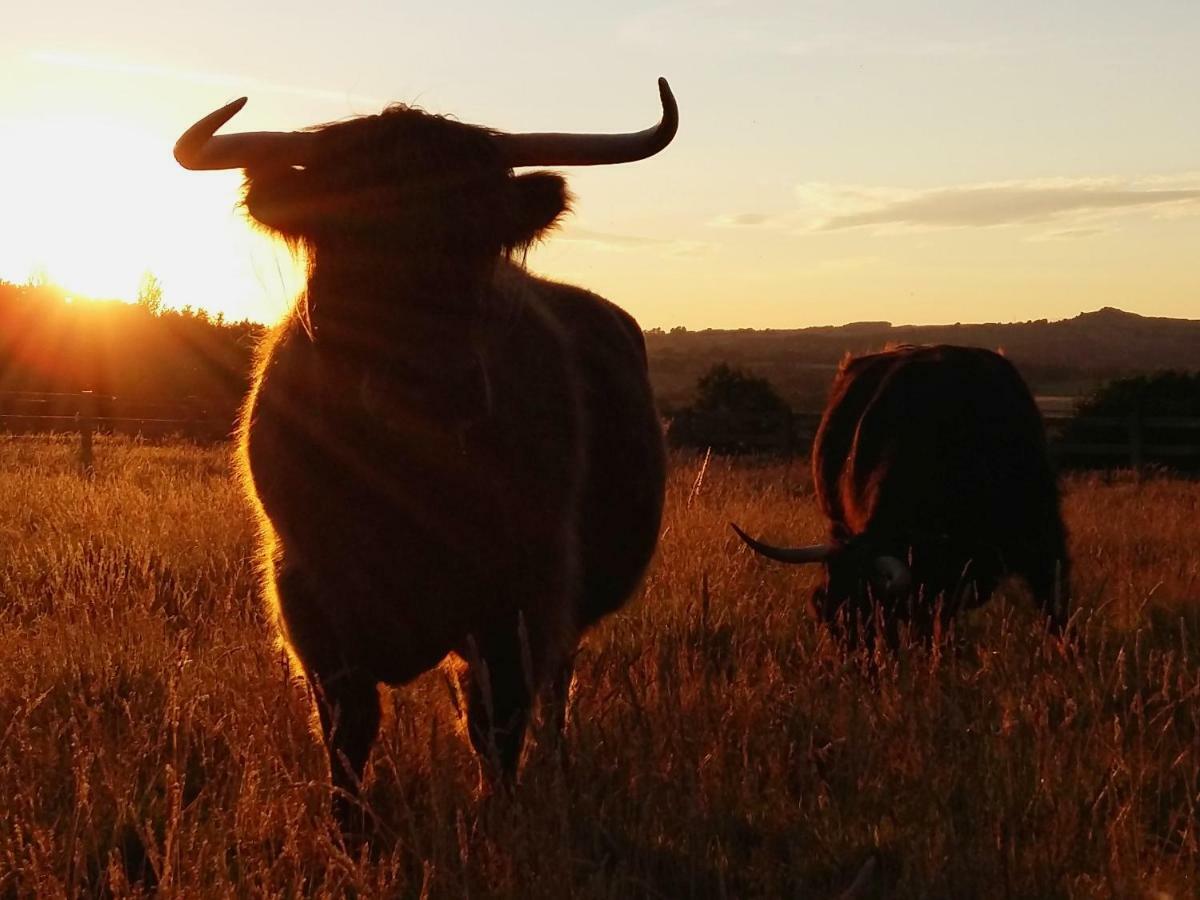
(930, 464)
(447, 453)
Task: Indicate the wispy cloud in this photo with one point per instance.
(602, 240)
(984, 206)
(848, 263)
(743, 220)
(1069, 234)
(1074, 205)
(69, 59)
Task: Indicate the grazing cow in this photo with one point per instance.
(447, 454)
(930, 465)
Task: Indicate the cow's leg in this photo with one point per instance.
(853, 625)
(346, 697)
(1048, 579)
(499, 698)
(558, 696)
(348, 707)
(509, 668)
(924, 610)
(555, 700)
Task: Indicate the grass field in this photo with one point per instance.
(151, 737)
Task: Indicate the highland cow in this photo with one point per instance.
(930, 465)
(447, 454)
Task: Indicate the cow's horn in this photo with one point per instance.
(201, 148)
(895, 572)
(796, 555)
(593, 149)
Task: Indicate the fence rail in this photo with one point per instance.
(1176, 439)
(1132, 441)
(85, 412)
(1125, 441)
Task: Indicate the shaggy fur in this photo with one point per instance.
(449, 455)
(936, 456)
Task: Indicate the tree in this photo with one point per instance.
(1167, 393)
(1122, 413)
(39, 277)
(150, 294)
(734, 412)
(726, 389)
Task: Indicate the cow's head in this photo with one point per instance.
(405, 180)
(859, 577)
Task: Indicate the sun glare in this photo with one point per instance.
(92, 205)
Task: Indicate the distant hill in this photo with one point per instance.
(1066, 357)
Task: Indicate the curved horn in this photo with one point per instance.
(895, 572)
(795, 555)
(201, 148)
(593, 149)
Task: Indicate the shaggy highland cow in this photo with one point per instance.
(448, 454)
(930, 465)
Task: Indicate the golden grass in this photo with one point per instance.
(152, 739)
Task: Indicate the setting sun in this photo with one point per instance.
(92, 204)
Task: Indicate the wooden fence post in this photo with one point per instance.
(1136, 442)
(85, 419)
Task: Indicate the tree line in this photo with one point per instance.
(51, 342)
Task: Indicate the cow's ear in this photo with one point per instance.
(540, 199)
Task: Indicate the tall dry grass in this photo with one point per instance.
(151, 738)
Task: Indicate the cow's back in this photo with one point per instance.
(934, 440)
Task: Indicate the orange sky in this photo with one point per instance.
(835, 162)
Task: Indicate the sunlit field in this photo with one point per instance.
(152, 739)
